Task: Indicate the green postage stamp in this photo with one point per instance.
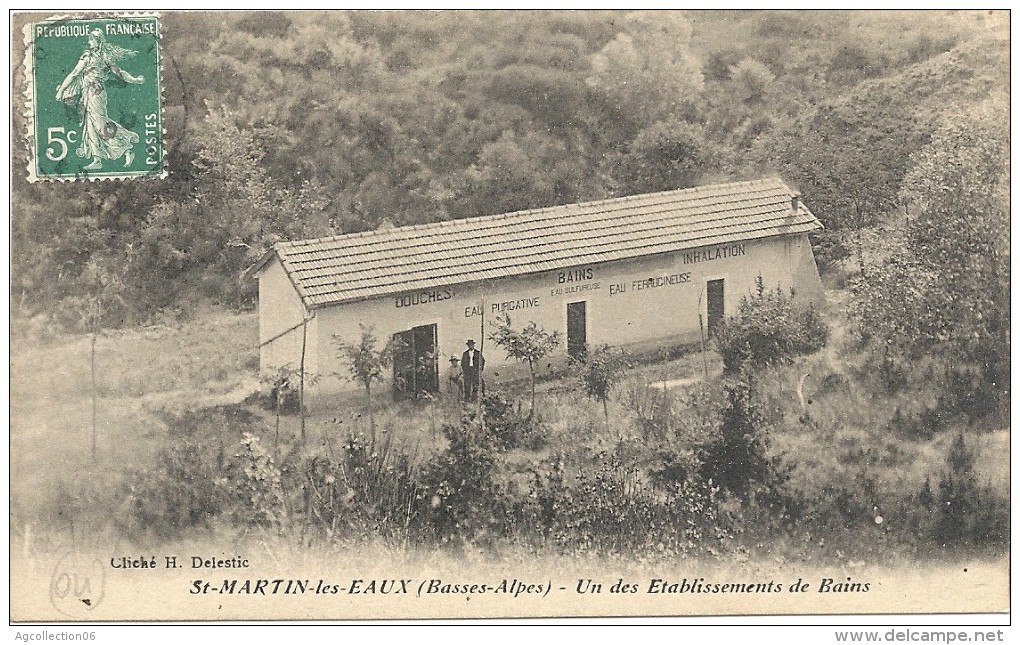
(94, 98)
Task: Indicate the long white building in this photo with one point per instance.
(633, 270)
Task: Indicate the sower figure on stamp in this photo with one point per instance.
(101, 137)
(472, 363)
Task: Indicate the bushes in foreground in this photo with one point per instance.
(508, 427)
(185, 488)
(215, 470)
(962, 511)
(352, 490)
(738, 458)
(702, 469)
(614, 509)
(769, 330)
(458, 497)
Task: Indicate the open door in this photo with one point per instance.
(415, 368)
(426, 367)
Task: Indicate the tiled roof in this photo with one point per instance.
(364, 265)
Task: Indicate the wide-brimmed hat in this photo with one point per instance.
(471, 342)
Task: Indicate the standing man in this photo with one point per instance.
(471, 363)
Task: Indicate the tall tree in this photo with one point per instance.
(665, 156)
(648, 71)
(946, 287)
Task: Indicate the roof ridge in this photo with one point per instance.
(507, 215)
(657, 214)
(595, 217)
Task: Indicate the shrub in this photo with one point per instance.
(894, 373)
(966, 392)
(458, 498)
(737, 459)
(921, 426)
(674, 422)
(606, 510)
(845, 503)
(653, 409)
(253, 483)
(678, 429)
(90, 501)
(508, 427)
(281, 391)
(829, 250)
(599, 370)
(181, 489)
(965, 512)
(357, 492)
(611, 510)
(833, 382)
(811, 332)
(769, 330)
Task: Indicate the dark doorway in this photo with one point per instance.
(415, 368)
(577, 323)
(716, 307)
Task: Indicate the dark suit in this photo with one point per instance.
(472, 367)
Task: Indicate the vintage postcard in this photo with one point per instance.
(510, 315)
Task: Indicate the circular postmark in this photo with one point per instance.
(78, 585)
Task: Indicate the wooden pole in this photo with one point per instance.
(701, 329)
(301, 387)
(279, 402)
(97, 327)
(481, 379)
(92, 366)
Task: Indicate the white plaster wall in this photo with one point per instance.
(280, 308)
(805, 272)
(621, 308)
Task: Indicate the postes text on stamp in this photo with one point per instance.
(94, 98)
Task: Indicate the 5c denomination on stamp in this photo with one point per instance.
(94, 99)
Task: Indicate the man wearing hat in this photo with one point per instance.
(471, 364)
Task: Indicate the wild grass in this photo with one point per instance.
(213, 353)
(850, 463)
(139, 372)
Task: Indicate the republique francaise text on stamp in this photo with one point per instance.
(94, 98)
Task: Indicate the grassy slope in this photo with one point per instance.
(138, 371)
(211, 361)
(943, 86)
(849, 431)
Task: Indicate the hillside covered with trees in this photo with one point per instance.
(289, 125)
